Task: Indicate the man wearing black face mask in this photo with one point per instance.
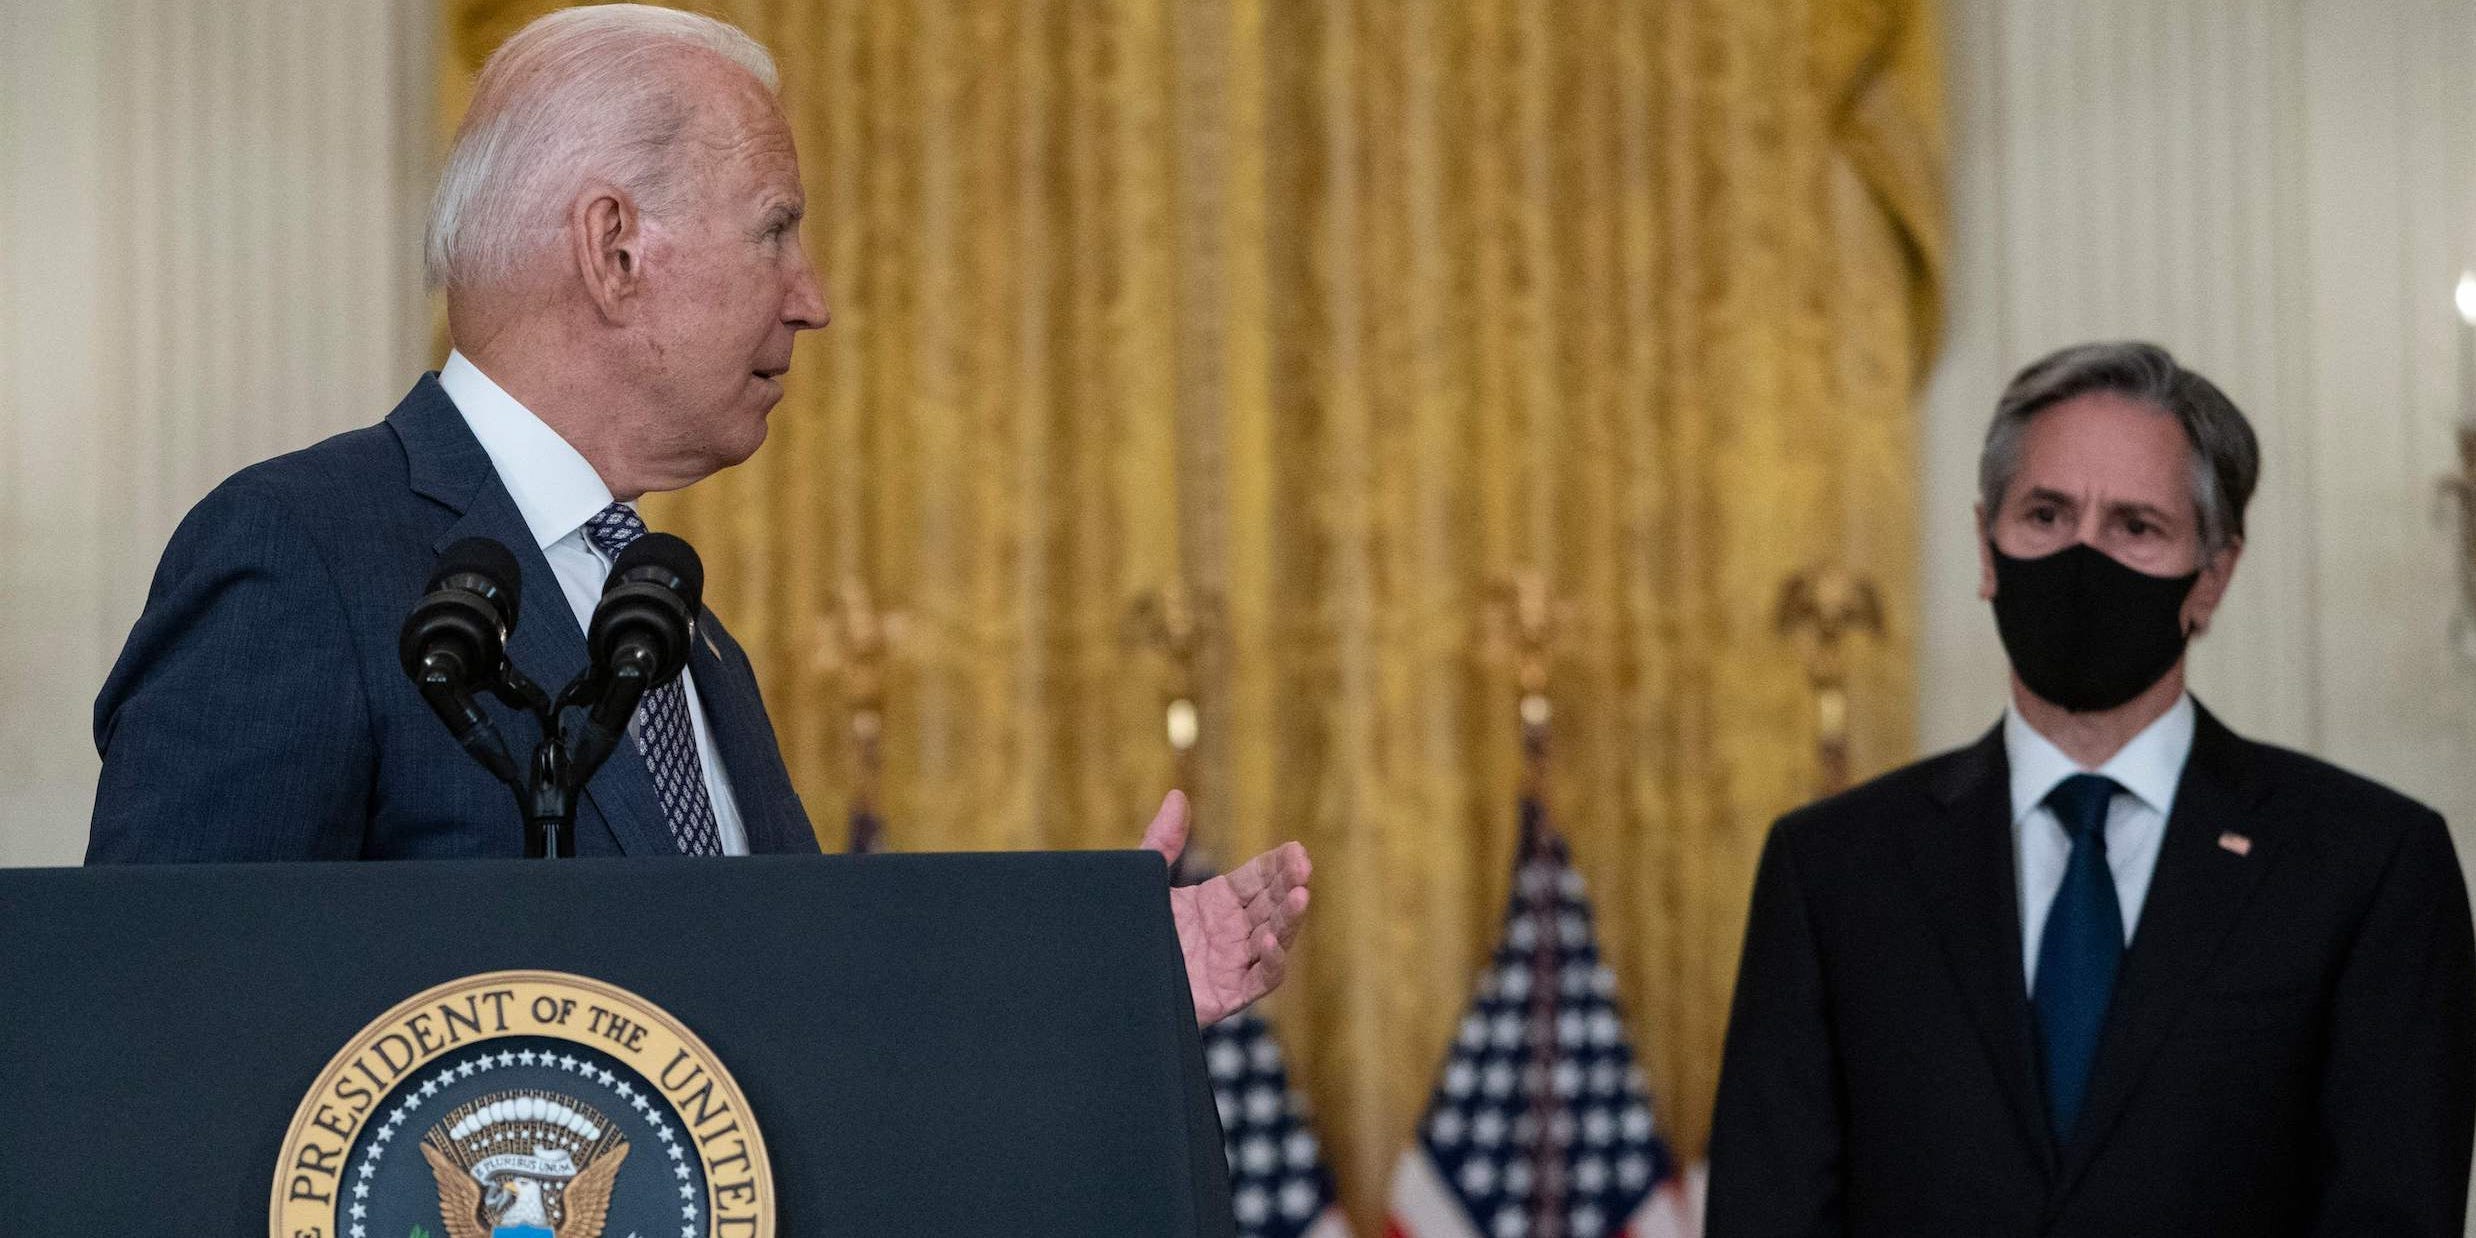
(2112, 970)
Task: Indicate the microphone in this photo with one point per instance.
(639, 638)
(455, 642)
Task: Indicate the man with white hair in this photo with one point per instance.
(617, 233)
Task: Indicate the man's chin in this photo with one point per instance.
(744, 444)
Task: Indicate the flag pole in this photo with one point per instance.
(1174, 622)
(855, 644)
(1527, 618)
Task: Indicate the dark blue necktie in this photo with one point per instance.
(2080, 952)
(663, 733)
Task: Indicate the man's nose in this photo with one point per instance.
(804, 309)
(2092, 523)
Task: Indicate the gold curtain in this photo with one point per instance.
(1341, 313)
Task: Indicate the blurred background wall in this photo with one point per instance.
(1333, 321)
(210, 239)
(2285, 194)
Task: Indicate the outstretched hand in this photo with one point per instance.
(1235, 929)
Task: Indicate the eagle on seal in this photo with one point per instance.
(522, 1206)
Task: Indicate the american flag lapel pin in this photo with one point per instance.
(2235, 843)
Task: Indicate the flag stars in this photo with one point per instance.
(1258, 1156)
(1227, 1060)
(1263, 1104)
(1250, 1205)
(1590, 1175)
(1518, 1177)
(1298, 1199)
(1473, 1033)
(1634, 1172)
(1498, 1082)
(1524, 1097)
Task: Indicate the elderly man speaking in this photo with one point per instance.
(617, 233)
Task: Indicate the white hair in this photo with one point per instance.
(578, 94)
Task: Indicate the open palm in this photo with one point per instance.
(1235, 930)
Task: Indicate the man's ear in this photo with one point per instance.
(607, 234)
(1985, 557)
(2216, 575)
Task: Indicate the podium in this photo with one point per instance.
(946, 1045)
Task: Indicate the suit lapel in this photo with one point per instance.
(1962, 859)
(751, 757)
(2195, 897)
(448, 466)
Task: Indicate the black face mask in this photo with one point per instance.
(2085, 631)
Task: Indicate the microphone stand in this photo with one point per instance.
(564, 761)
(550, 803)
(546, 795)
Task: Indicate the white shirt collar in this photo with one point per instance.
(555, 488)
(2149, 767)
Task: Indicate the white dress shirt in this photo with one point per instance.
(2148, 769)
(557, 491)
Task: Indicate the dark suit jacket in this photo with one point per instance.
(259, 711)
(2291, 1048)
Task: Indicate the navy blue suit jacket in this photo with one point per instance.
(259, 711)
(2290, 1053)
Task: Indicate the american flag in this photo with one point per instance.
(1277, 1182)
(1541, 1126)
(867, 829)
(1278, 1186)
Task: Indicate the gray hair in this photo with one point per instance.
(2226, 458)
(576, 95)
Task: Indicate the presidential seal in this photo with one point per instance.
(524, 1104)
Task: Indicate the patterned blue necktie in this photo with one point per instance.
(663, 733)
(2080, 952)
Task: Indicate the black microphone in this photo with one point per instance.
(639, 638)
(455, 643)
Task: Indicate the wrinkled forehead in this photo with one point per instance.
(741, 137)
(2107, 447)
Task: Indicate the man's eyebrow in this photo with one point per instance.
(2040, 494)
(2137, 507)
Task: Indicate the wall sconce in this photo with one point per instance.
(2459, 488)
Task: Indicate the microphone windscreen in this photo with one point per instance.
(489, 560)
(672, 557)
